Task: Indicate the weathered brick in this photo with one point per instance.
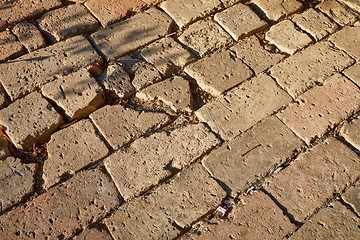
(314, 177)
(121, 125)
(130, 34)
(240, 21)
(322, 107)
(116, 79)
(259, 218)
(62, 210)
(174, 92)
(353, 73)
(228, 3)
(145, 75)
(130, 63)
(10, 46)
(337, 12)
(71, 149)
(348, 39)
(219, 72)
(351, 133)
(30, 37)
(67, 22)
(110, 11)
(167, 55)
(315, 23)
(287, 38)
(151, 159)
(77, 94)
(28, 72)
(335, 222)
(276, 9)
(186, 198)
(276, 138)
(4, 147)
(3, 98)
(16, 181)
(354, 4)
(29, 120)
(238, 110)
(254, 55)
(204, 36)
(239, 163)
(312, 65)
(352, 197)
(15, 11)
(94, 233)
(185, 12)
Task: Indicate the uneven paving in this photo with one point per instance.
(177, 119)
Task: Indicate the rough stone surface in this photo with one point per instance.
(16, 11)
(276, 9)
(95, 234)
(237, 110)
(28, 72)
(254, 55)
(30, 37)
(353, 73)
(174, 92)
(116, 79)
(239, 163)
(151, 159)
(84, 199)
(322, 107)
(352, 197)
(337, 12)
(130, 34)
(4, 147)
(276, 138)
(335, 222)
(314, 177)
(348, 39)
(240, 21)
(77, 94)
(29, 120)
(259, 218)
(121, 125)
(3, 98)
(167, 55)
(16, 181)
(145, 75)
(186, 198)
(71, 149)
(354, 4)
(110, 11)
(219, 72)
(285, 36)
(315, 23)
(313, 65)
(185, 12)
(10, 46)
(204, 36)
(351, 133)
(66, 22)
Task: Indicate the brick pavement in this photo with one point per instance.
(138, 119)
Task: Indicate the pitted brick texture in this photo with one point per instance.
(314, 177)
(337, 12)
(351, 133)
(348, 39)
(352, 197)
(130, 34)
(353, 73)
(30, 71)
(277, 9)
(10, 46)
(29, 120)
(151, 159)
(62, 210)
(121, 125)
(29, 36)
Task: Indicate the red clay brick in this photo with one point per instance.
(259, 218)
(314, 177)
(110, 11)
(62, 210)
(321, 107)
(333, 222)
(15, 11)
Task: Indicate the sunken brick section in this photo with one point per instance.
(59, 212)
